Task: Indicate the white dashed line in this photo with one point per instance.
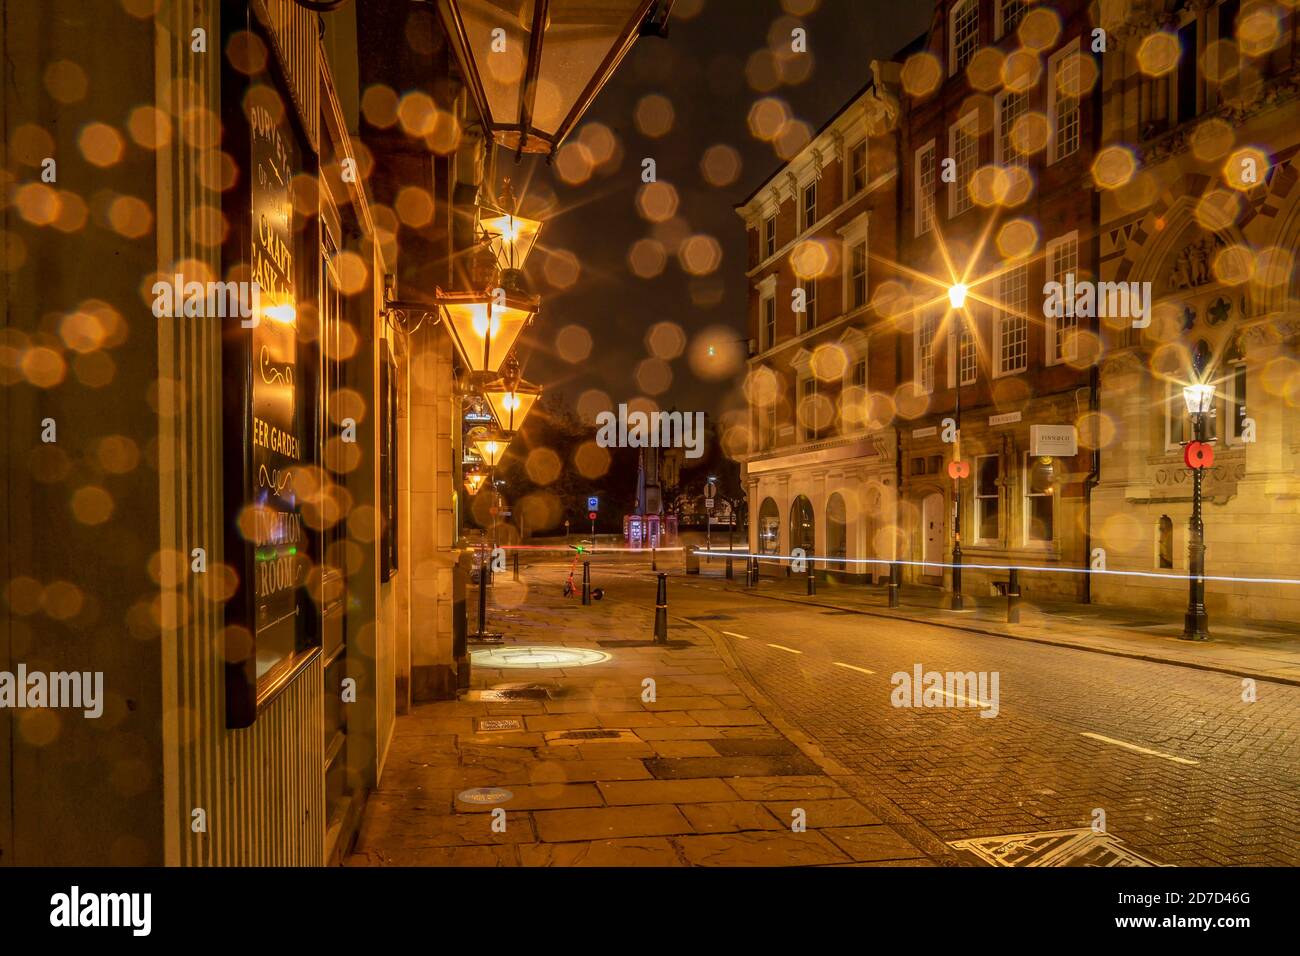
(860, 670)
(782, 647)
(1142, 750)
(734, 634)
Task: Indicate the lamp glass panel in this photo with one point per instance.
(490, 448)
(506, 325)
(499, 63)
(1199, 398)
(579, 36)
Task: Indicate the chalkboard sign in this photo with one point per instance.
(270, 381)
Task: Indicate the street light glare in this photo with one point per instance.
(957, 295)
(1199, 398)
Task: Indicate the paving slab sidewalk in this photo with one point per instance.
(1258, 649)
(599, 772)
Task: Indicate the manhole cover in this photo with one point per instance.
(537, 656)
(481, 795)
(491, 724)
(1082, 847)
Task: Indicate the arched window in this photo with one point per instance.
(802, 524)
(836, 539)
(769, 528)
(1165, 542)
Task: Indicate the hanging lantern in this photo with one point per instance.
(485, 325)
(490, 447)
(535, 66)
(509, 235)
(474, 481)
(510, 397)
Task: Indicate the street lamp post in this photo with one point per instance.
(957, 299)
(1198, 455)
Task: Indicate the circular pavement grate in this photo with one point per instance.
(537, 656)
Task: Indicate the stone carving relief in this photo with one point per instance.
(1194, 266)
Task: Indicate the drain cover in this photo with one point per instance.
(485, 795)
(1081, 847)
(493, 724)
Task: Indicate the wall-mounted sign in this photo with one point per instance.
(1008, 418)
(925, 432)
(1058, 441)
(270, 383)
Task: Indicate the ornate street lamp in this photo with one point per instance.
(510, 397)
(490, 447)
(485, 325)
(474, 481)
(509, 235)
(534, 66)
(1198, 455)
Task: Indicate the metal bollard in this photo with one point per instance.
(895, 575)
(586, 582)
(692, 561)
(654, 559)
(731, 575)
(812, 574)
(661, 610)
(1013, 597)
(516, 565)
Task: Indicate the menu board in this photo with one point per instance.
(278, 538)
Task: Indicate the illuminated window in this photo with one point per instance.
(923, 350)
(1064, 71)
(1010, 13)
(1063, 261)
(1040, 500)
(987, 496)
(1010, 107)
(1013, 324)
(964, 34)
(968, 353)
(858, 276)
(809, 211)
(963, 143)
(858, 168)
(923, 181)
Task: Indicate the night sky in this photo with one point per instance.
(710, 73)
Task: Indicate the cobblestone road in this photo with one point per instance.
(1216, 780)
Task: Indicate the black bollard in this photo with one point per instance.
(661, 610)
(1013, 597)
(654, 559)
(753, 570)
(731, 576)
(516, 565)
(812, 574)
(586, 582)
(895, 574)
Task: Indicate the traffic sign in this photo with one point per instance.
(593, 503)
(710, 489)
(591, 515)
(708, 504)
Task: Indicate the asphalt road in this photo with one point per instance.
(1185, 771)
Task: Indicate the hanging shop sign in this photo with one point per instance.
(1057, 441)
(269, 386)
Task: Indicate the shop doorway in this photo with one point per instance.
(932, 539)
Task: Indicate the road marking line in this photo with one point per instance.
(1143, 750)
(734, 634)
(966, 700)
(782, 647)
(852, 667)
